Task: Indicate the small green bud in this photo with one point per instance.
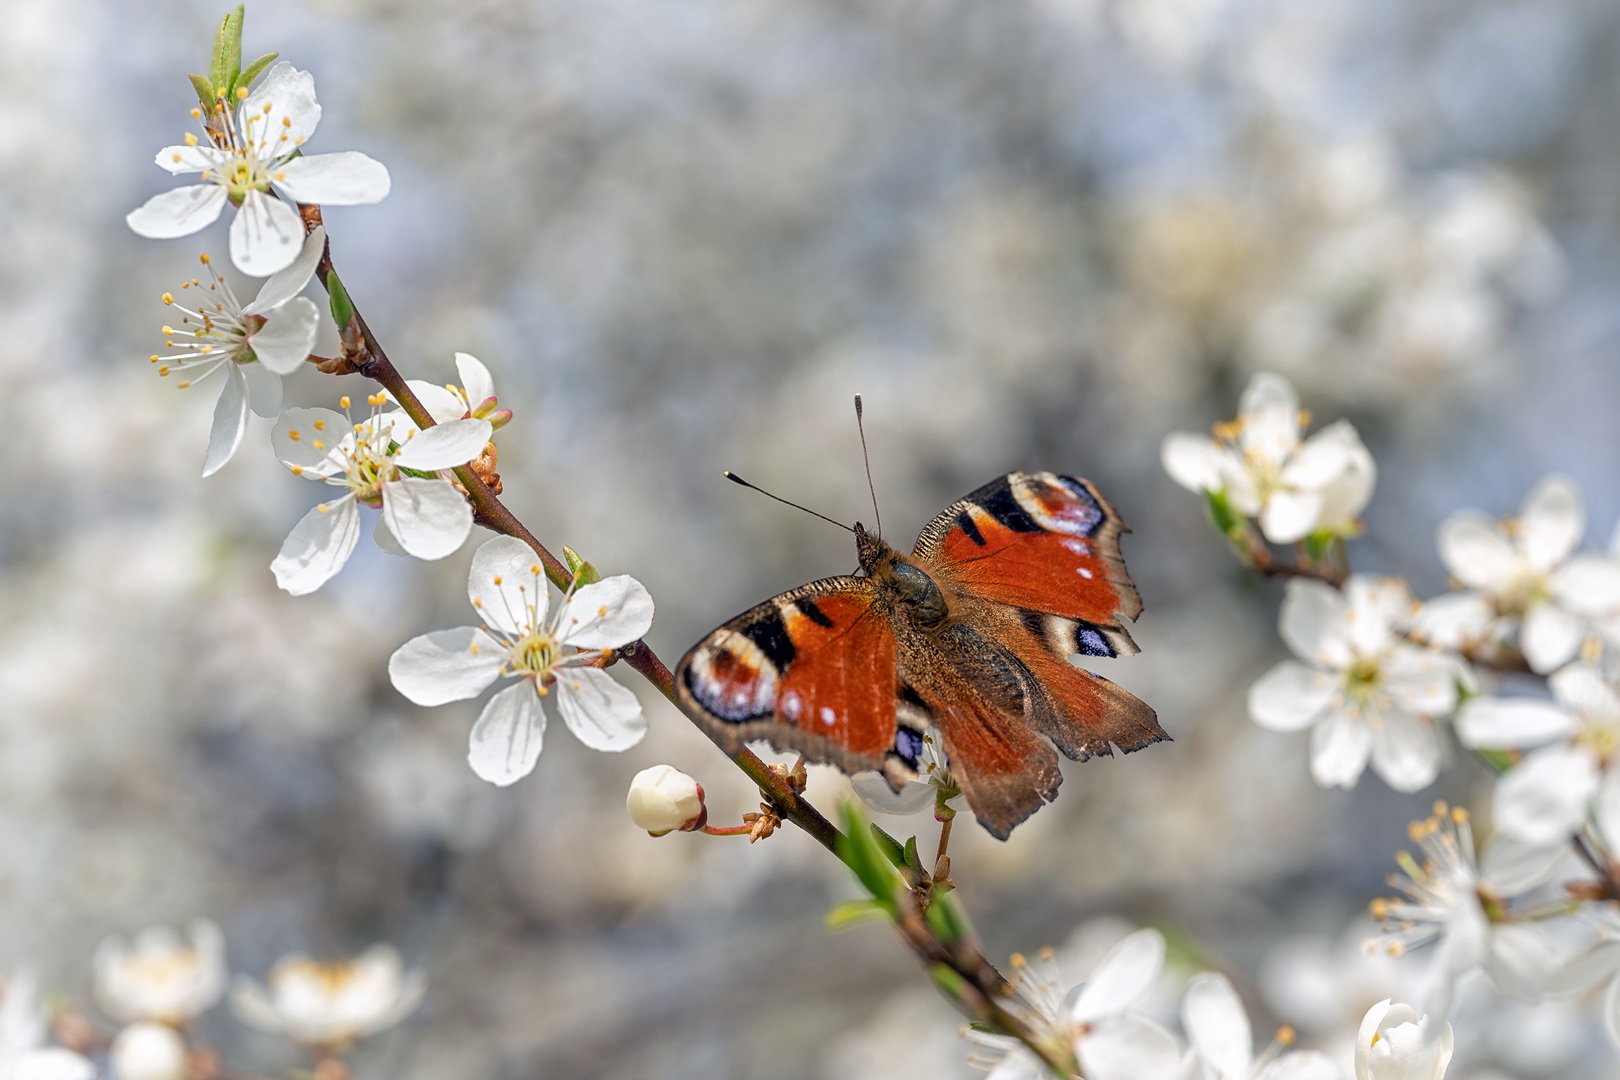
(338, 298)
(584, 573)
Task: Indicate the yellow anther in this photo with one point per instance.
(241, 94)
(1018, 961)
(154, 358)
(205, 260)
(184, 384)
(534, 568)
(478, 603)
(294, 435)
(1286, 1036)
(281, 176)
(320, 425)
(196, 113)
(168, 298)
(497, 579)
(1396, 949)
(176, 157)
(298, 470)
(1459, 816)
(601, 611)
(325, 509)
(319, 445)
(343, 402)
(168, 330)
(543, 691)
(577, 687)
(164, 370)
(473, 648)
(1376, 1036)
(1379, 908)
(191, 139)
(266, 106)
(1439, 809)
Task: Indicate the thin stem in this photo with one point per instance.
(944, 841)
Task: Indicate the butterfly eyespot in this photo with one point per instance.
(827, 716)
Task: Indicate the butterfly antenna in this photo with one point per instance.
(867, 458)
(735, 479)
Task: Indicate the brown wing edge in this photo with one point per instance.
(759, 721)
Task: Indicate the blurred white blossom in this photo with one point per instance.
(1259, 463)
(379, 461)
(508, 589)
(1396, 1044)
(149, 1051)
(330, 1006)
(1099, 1021)
(23, 1053)
(254, 344)
(1525, 567)
(261, 151)
(1217, 1026)
(1364, 691)
(161, 976)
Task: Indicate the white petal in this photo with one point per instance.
(266, 235)
(1422, 681)
(1269, 410)
(252, 1005)
(1290, 696)
(289, 281)
(444, 446)
(1319, 460)
(1340, 746)
(1369, 1028)
(612, 612)
(180, 212)
(1522, 958)
(1459, 620)
(1588, 585)
(318, 546)
(263, 389)
(1129, 1048)
(1585, 970)
(601, 713)
(1549, 637)
(1019, 1064)
(1551, 522)
(1544, 798)
(230, 420)
(1217, 1025)
(446, 665)
(873, 790)
(429, 518)
(290, 93)
(1314, 623)
(349, 178)
(440, 403)
(1195, 462)
(1606, 810)
(1582, 689)
(1476, 552)
(476, 382)
(1378, 605)
(1123, 977)
(306, 440)
(1490, 723)
(1301, 1065)
(386, 541)
(507, 585)
(1347, 495)
(284, 342)
(1510, 867)
(1290, 515)
(505, 741)
(1405, 750)
(188, 159)
(50, 1063)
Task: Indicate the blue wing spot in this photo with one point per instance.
(1093, 643)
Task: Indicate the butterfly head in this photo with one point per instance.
(873, 552)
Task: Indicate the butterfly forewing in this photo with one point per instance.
(811, 670)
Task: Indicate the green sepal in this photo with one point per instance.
(949, 981)
(854, 912)
(338, 298)
(1318, 544)
(912, 859)
(1499, 761)
(1221, 514)
(947, 920)
(890, 847)
(255, 69)
(584, 573)
(205, 91)
(417, 473)
(859, 850)
(227, 60)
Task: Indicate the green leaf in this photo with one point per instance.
(253, 70)
(854, 912)
(890, 846)
(912, 859)
(860, 851)
(949, 981)
(1221, 514)
(204, 89)
(948, 921)
(338, 298)
(227, 60)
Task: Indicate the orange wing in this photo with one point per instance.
(811, 670)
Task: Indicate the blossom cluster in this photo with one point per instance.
(1520, 662)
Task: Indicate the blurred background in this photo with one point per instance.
(682, 234)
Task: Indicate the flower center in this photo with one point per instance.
(535, 654)
(370, 465)
(1361, 679)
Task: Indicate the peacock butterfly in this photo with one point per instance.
(969, 635)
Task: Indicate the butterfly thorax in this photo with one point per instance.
(903, 583)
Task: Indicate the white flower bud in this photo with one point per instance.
(1394, 1044)
(148, 1051)
(663, 799)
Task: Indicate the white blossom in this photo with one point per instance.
(662, 799)
(160, 975)
(1222, 1040)
(1526, 569)
(1597, 966)
(508, 589)
(381, 461)
(149, 1051)
(1546, 797)
(1259, 463)
(1448, 898)
(23, 1053)
(260, 151)
(475, 396)
(1365, 692)
(330, 1006)
(1110, 1040)
(1396, 1044)
(254, 344)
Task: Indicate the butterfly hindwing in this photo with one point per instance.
(811, 670)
